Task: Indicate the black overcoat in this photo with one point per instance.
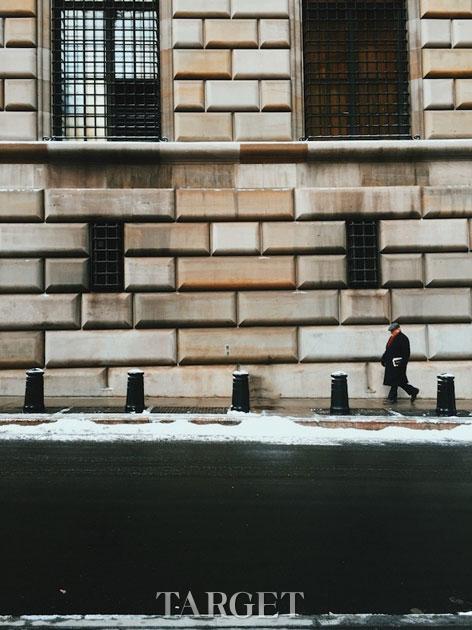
(400, 347)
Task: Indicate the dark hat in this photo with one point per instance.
(393, 326)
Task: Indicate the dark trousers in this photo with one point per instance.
(409, 389)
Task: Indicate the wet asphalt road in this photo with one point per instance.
(100, 528)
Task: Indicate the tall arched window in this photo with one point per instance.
(356, 69)
(105, 69)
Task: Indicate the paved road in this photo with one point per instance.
(88, 528)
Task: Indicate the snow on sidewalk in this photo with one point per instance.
(236, 428)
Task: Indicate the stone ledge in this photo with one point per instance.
(234, 152)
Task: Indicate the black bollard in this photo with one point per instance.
(135, 392)
(241, 392)
(339, 395)
(34, 391)
(446, 400)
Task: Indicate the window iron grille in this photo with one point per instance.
(105, 70)
(356, 69)
(362, 254)
(106, 257)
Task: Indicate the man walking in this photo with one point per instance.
(395, 359)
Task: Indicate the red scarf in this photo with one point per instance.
(390, 341)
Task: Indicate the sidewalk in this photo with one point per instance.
(368, 415)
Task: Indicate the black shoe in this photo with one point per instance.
(391, 401)
(414, 395)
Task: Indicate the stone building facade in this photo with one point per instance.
(235, 234)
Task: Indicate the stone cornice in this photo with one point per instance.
(232, 152)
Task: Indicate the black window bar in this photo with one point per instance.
(105, 70)
(106, 257)
(356, 69)
(362, 254)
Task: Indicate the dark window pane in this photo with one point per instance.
(134, 111)
(106, 257)
(356, 68)
(362, 254)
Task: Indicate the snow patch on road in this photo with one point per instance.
(282, 622)
(252, 428)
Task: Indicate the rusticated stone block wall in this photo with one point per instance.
(18, 70)
(232, 70)
(248, 270)
(446, 40)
